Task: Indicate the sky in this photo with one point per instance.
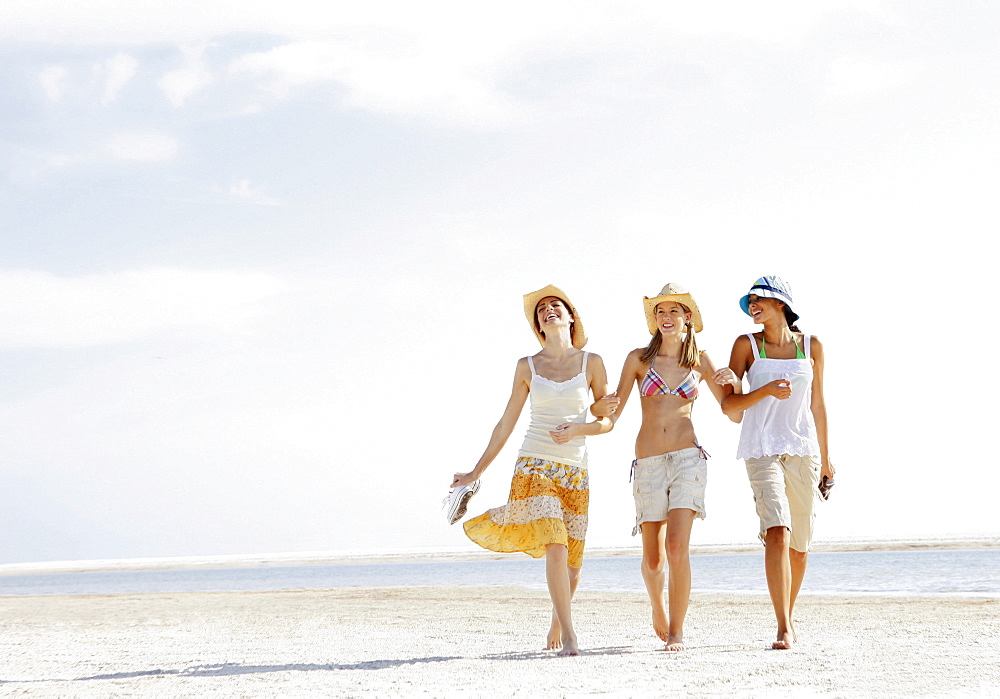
(261, 264)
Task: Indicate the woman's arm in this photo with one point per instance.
(605, 404)
(597, 379)
(611, 405)
(718, 380)
(518, 395)
(630, 372)
(739, 361)
(818, 407)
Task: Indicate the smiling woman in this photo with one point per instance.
(546, 514)
(670, 466)
(784, 438)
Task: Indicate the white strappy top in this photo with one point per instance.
(773, 427)
(552, 404)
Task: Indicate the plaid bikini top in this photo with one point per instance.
(654, 385)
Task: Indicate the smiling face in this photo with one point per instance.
(550, 312)
(671, 317)
(761, 309)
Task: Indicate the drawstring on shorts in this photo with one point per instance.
(701, 450)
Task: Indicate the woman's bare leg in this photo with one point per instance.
(557, 577)
(679, 522)
(778, 570)
(554, 640)
(798, 560)
(654, 564)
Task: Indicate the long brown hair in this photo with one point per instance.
(790, 318)
(689, 358)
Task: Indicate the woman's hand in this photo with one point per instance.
(606, 406)
(725, 376)
(566, 432)
(464, 479)
(780, 389)
(828, 470)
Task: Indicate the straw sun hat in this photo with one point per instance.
(531, 302)
(672, 292)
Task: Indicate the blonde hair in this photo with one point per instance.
(689, 358)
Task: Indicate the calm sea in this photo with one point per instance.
(972, 573)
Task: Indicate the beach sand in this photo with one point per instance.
(443, 641)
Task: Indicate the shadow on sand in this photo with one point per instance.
(228, 669)
(537, 654)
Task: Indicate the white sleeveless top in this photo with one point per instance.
(773, 427)
(552, 404)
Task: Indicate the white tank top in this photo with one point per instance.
(772, 427)
(552, 404)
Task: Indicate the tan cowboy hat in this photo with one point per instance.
(531, 302)
(672, 292)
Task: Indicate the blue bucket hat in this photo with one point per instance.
(771, 287)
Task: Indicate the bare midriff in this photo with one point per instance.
(666, 426)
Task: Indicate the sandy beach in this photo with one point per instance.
(439, 641)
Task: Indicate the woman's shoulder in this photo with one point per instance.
(815, 346)
(635, 356)
(704, 365)
(594, 361)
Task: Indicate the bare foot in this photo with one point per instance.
(784, 641)
(660, 624)
(554, 640)
(569, 646)
(675, 644)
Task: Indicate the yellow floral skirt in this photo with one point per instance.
(548, 505)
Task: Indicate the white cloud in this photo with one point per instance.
(53, 81)
(854, 76)
(450, 62)
(132, 22)
(59, 161)
(44, 310)
(180, 84)
(143, 147)
(413, 77)
(148, 147)
(294, 64)
(442, 61)
(242, 191)
(117, 71)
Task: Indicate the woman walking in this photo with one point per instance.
(670, 469)
(783, 439)
(546, 514)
